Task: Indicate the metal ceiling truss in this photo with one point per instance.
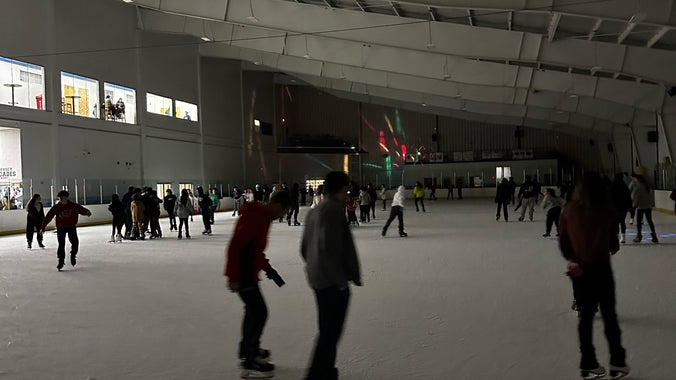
(540, 77)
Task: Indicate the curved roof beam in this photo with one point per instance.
(485, 80)
(453, 40)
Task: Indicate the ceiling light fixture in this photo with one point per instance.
(204, 37)
(128, 1)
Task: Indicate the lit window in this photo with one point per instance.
(119, 103)
(158, 104)
(22, 84)
(186, 111)
(79, 95)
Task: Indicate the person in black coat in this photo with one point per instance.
(374, 198)
(622, 202)
(117, 208)
(293, 209)
(126, 201)
(205, 205)
(34, 219)
(170, 206)
(503, 196)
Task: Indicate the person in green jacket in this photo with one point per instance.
(215, 202)
(419, 195)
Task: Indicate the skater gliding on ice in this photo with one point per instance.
(66, 213)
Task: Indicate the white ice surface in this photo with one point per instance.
(463, 297)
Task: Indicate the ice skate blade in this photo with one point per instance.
(253, 374)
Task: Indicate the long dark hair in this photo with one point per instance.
(115, 199)
(31, 203)
(184, 197)
(592, 193)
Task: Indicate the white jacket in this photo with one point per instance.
(399, 196)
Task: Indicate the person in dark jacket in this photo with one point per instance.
(622, 202)
(128, 222)
(154, 214)
(644, 202)
(502, 198)
(236, 200)
(117, 209)
(528, 193)
(169, 206)
(459, 185)
(512, 187)
(374, 198)
(205, 207)
(331, 262)
(35, 216)
(245, 258)
(293, 209)
(66, 213)
(588, 237)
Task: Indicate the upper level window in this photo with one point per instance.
(158, 104)
(119, 103)
(186, 111)
(79, 95)
(22, 84)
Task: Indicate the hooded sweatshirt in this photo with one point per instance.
(399, 196)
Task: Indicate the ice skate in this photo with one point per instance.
(73, 259)
(295, 223)
(623, 238)
(638, 239)
(30, 245)
(521, 219)
(595, 373)
(112, 239)
(383, 233)
(631, 221)
(180, 236)
(617, 372)
(654, 236)
(257, 369)
(403, 234)
(59, 266)
(187, 235)
(40, 244)
(546, 235)
(118, 237)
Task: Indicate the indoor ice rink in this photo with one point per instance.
(242, 96)
(462, 297)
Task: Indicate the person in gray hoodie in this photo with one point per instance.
(397, 211)
(331, 262)
(643, 202)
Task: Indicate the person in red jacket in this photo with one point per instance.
(588, 236)
(66, 213)
(244, 260)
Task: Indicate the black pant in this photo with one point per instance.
(648, 212)
(596, 287)
(183, 221)
(128, 222)
(206, 219)
(450, 194)
(553, 218)
(255, 315)
(72, 238)
(373, 208)
(384, 204)
(293, 210)
(212, 211)
(503, 205)
(117, 225)
(459, 193)
(632, 212)
(172, 219)
(31, 227)
(155, 228)
(621, 217)
(421, 203)
(331, 312)
(364, 213)
(395, 212)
